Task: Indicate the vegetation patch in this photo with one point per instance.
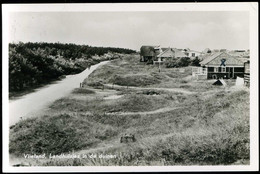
(134, 80)
(33, 64)
(56, 134)
(83, 91)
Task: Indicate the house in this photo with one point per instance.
(247, 73)
(239, 53)
(179, 53)
(185, 51)
(223, 50)
(204, 56)
(149, 53)
(193, 54)
(169, 53)
(223, 65)
(207, 50)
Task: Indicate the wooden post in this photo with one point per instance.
(159, 60)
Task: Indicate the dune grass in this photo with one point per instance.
(130, 102)
(83, 91)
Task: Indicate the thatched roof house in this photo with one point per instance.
(168, 53)
(223, 65)
(149, 53)
(215, 60)
(172, 53)
(193, 54)
(179, 53)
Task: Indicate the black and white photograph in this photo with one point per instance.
(130, 87)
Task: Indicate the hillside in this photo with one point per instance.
(34, 64)
(176, 120)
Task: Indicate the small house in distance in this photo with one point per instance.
(206, 51)
(222, 65)
(149, 53)
(193, 54)
(169, 53)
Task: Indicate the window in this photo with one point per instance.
(223, 69)
(193, 54)
(215, 69)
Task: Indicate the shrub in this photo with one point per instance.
(83, 91)
(195, 62)
(177, 62)
(134, 80)
(184, 61)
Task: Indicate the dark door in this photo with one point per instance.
(231, 69)
(228, 74)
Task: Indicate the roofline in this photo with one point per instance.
(159, 55)
(219, 55)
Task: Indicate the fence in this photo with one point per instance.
(199, 73)
(247, 79)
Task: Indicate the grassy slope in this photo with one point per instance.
(209, 127)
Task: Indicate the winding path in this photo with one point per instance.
(161, 110)
(28, 105)
(181, 90)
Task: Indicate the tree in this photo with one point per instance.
(195, 62)
(183, 61)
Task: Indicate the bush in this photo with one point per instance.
(195, 62)
(175, 63)
(32, 64)
(184, 61)
(83, 91)
(134, 80)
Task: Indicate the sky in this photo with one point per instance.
(196, 30)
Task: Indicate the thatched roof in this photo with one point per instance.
(204, 56)
(172, 52)
(147, 51)
(207, 50)
(163, 49)
(186, 49)
(243, 59)
(193, 51)
(179, 53)
(167, 53)
(210, 58)
(215, 59)
(239, 54)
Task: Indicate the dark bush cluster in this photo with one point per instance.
(182, 62)
(32, 64)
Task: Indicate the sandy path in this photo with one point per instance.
(161, 110)
(181, 90)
